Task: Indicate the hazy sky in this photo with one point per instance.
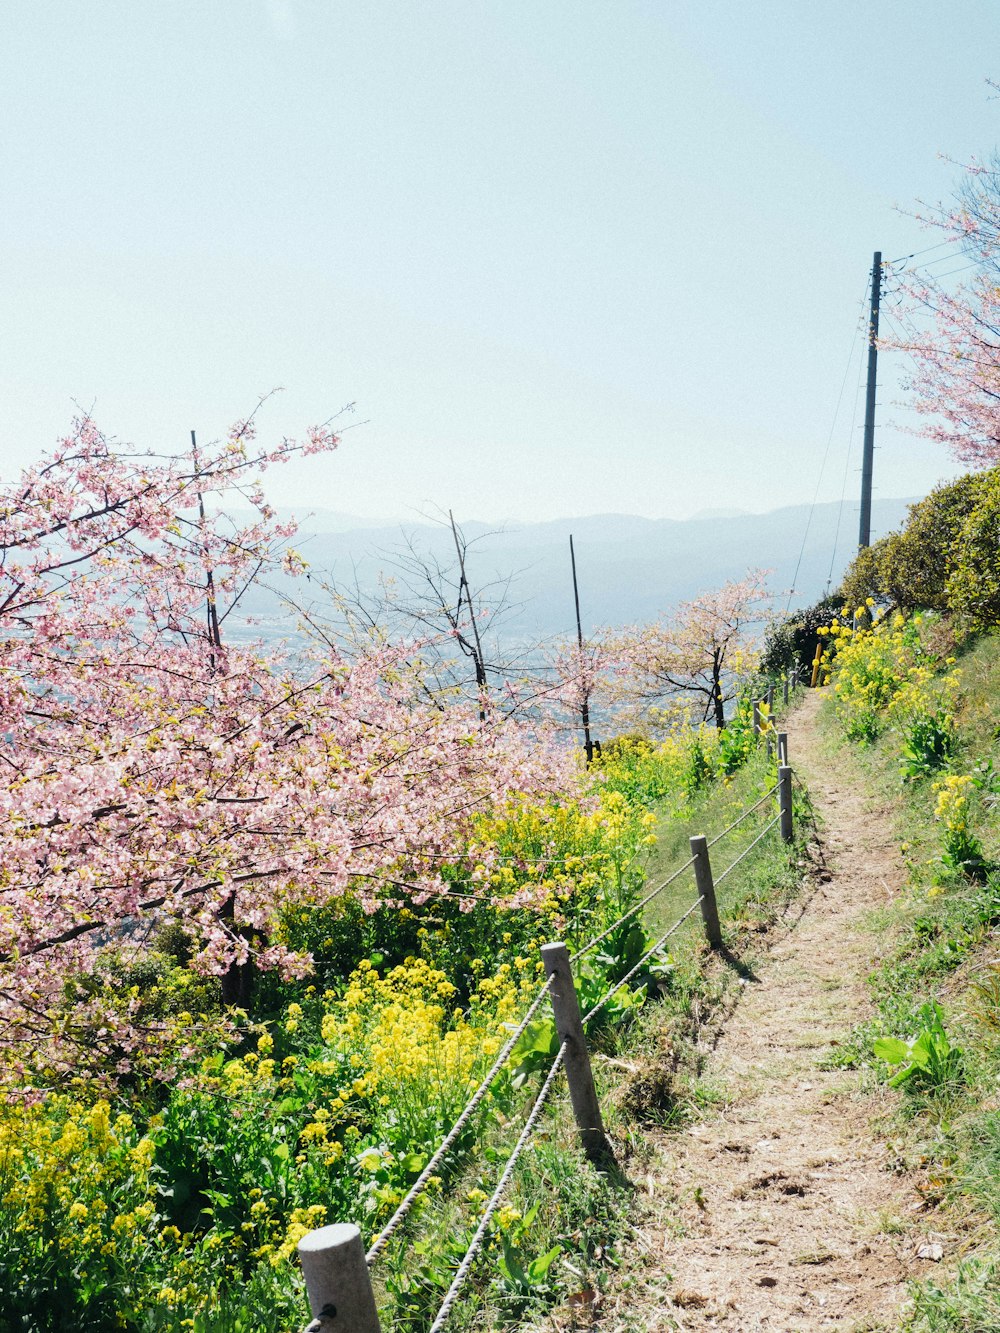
(567, 256)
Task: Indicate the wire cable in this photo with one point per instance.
(420, 1184)
(847, 465)
(747, 850)
(962, 268)
(475, 1245)
(952, 240)
(829, 441)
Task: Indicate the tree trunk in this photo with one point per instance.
(720, 712)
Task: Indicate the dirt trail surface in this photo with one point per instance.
(779, 1212)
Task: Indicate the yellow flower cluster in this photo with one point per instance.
(952, 804)
(75, 1184)
(882, 674)
(398, 1040)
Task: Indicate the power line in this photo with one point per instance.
(964, 268)
(829, 441)
(847, 465)
(952, 240)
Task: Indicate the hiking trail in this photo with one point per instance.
(779, 1210)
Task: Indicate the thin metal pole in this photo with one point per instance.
(868, 455)
(588, 744)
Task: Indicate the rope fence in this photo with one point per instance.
(494, 1201)
(745, 815)
(599, 939)
(644, 959)
(335, 1264)
(420, 1184)
(748, 849)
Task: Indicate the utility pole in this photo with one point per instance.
(865, 528)
(588, 744)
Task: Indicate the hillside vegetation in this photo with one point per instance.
(916, 694)
(268, 918)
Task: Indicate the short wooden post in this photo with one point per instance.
(782, 747)
(705, 885)
(784, 688)
(579, 1075)
(785, 802)
(770, 698)
(756, 717)
(337, 1282)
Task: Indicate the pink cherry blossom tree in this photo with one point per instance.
(694, 661)
(154, 772)
(952, 333)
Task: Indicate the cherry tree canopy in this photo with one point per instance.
(153, 772)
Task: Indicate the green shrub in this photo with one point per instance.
(794, 640)
(974, 574)
(912, 568)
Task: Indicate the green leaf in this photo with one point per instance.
(892, 1050)
(538, 1268)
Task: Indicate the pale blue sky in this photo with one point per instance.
(567, 257)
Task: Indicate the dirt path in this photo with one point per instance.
(779, 1212)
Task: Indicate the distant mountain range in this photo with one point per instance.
(630, 569)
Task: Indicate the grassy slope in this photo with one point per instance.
(941, 945)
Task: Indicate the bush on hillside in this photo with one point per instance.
(911, 569)
(973, 586)
(794, 640)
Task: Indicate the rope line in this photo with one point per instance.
(598, 939)
(745, 815)
(441, 1318)
(747, 850)
(645, 958)
(420, 1184)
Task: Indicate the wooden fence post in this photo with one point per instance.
(770, 698)
(756, 717)
(337, 1281)
(705, 885)
(782, 747)
(579, 1075)
(785, 802)
(784, 688)
(816, 665)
